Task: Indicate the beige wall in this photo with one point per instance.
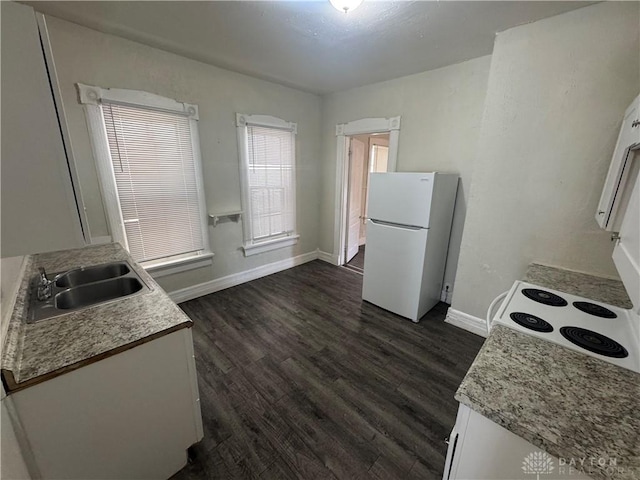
(557, 91)
(441, 113)
(87, 56)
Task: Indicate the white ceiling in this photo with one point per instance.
(308, 44)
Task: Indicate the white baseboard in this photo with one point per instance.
(328, 257)
(232, 280)
(467, 322)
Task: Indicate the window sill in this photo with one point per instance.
(157, 270)
(269, 245)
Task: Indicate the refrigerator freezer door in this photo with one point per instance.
(393, 268)
(401, 198)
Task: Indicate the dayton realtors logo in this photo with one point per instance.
(538, 463)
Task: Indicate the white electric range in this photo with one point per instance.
(593, 328)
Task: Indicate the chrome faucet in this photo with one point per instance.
(44, 285)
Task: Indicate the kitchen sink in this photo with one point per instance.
(84, 287)
(98, 292)
(83, 275)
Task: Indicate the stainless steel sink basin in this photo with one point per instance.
(83, 275)
(92, 293)
(85, 287)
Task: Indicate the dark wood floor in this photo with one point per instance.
(358, 260)
(300, 379)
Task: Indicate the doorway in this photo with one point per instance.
(367, 153)
(389, 127)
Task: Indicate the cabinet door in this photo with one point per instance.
(635, 124)
(130, 416)
(487, 451)
(451, 452)
(39, 212)
(618, 175)
(626, 254)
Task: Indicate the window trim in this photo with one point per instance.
(250, 246)
(178, 263)
(92, 98)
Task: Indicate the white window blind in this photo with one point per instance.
(156, 178)
(271, 182)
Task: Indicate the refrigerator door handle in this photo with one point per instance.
(395, 225)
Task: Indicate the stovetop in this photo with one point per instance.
(589, 327)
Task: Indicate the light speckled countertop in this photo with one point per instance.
(38, 351)
(602, 289)
(569, 404)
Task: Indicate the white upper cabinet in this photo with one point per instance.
(624, 167)
(39, 212)
(626, 254)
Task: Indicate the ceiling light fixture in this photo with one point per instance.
(346, 6)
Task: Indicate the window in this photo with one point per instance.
(147, 152)
(267, 158)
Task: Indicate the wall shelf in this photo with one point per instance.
(234, 216)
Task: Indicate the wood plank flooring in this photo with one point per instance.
(300, 379)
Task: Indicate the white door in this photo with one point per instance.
(393, 267)
(619, 169)
(626, 254)
(356, 171)
(402, 198)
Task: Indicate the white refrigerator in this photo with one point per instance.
(408, 227)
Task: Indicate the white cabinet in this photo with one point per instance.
(11, 458)
(624, 166)
(39, 212)
(619, 207)
(626, 254)
(480, 449)
(130, 416)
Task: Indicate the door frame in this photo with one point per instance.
(343, 130)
